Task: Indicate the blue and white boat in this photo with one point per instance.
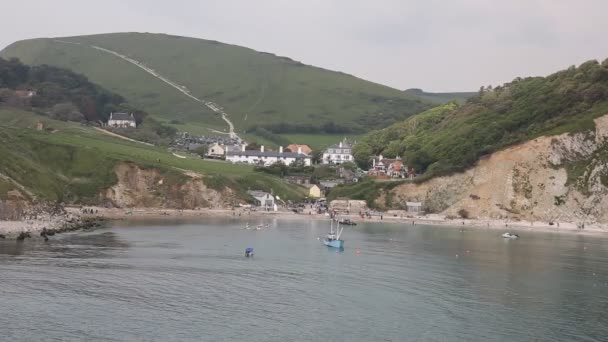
(333, 238)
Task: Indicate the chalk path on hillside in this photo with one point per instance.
(211, 105)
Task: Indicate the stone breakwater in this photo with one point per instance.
(46, 225)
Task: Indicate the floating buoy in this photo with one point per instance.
(457, 255)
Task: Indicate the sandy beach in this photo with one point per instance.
(11, 229)
(432, 219)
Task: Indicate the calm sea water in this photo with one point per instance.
(173, 281)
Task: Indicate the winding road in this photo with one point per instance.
(211, 105)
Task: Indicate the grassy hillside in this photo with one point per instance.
(254, 88)
(453, 137)
(72, 163)
(441, 98)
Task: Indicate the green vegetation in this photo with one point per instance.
(60, 93)
(441, 98)
(453, 137)
(70, 162)
(64, 95)
(367, 190)
(255, 88)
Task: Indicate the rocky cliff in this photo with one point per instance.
(561, 177)
(139, 187)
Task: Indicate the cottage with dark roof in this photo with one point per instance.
(266, 158)
(122, 120)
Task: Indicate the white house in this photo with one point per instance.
(338, 154)
(263, 200)
(216, 151)
(122, 120)
(266, 158)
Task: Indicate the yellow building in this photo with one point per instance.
(314, 192)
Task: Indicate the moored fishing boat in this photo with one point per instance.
(333, 238)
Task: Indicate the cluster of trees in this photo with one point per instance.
(453, 137)
(65, 95)
(60, 93)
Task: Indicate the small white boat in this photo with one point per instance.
(508, 235)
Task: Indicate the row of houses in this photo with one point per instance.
(267, 158)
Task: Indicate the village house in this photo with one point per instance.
(301, 180)
(216, 151)
(25, 93)
(327, 185)
(414, 208)
(122, 120)
(267, 158)
(338, 154)
(315, 191)
(263, 200)
(393, 168)
(304, 148)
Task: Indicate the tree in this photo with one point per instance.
(201, 150)
(363, 154)
(299, 162)
(317, 157)
(66, 112)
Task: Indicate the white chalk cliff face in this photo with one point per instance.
(561, 177)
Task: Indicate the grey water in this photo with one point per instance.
(190, 281)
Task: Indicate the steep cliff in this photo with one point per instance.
(563, 177)
(139, 187)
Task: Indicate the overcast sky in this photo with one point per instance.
(447, 45)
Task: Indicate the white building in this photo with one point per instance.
(266, 158)
(263, 200)
(216, 151)
(338, 154)
(122, 120)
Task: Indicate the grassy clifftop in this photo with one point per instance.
(68, 162)
(255, 88)
(453, 137)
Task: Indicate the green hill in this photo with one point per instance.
(453, 137)
(441, 98)
(71, 163)
(256, 89)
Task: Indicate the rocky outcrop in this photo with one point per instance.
(139, 187)
(549, 178)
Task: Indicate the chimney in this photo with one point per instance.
(262, 148)
(299, 149)
(243, 147)
(280, 149)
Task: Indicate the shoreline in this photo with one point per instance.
(433, 219)
(45, 225)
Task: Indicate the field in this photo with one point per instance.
(318, 141)
(442, 98)
(255, 88)
(68, 158)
